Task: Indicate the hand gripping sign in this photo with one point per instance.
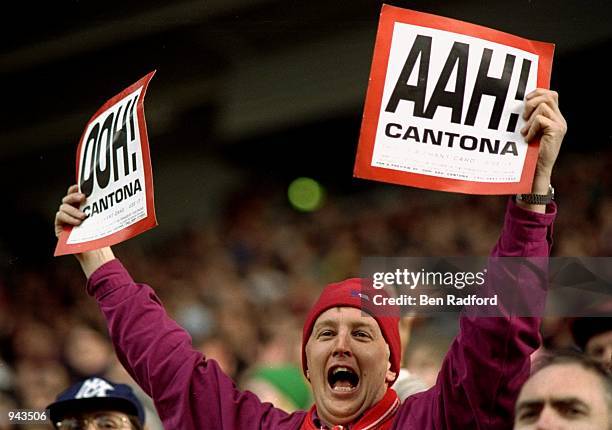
(444, 105)
(114, 172)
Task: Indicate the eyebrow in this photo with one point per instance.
(334, 323)
(327, 322)
(567, 401)
(555, 401)
(529, 404)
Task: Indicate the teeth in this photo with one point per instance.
(344, 389)
(341, 369)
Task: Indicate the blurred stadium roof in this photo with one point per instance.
(247, 82)
(236, 68)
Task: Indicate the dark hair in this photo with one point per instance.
(583, 329)
(573, 357)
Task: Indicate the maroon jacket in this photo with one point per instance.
(476, 388)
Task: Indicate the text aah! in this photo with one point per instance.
(106, 159)
(484, 85)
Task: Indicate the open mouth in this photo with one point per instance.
(342, 379)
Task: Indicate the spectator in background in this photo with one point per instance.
(593, 335)
(97, 402)
(567, 391)
(407, 383)
(86, 351)
(218, 349)
(37, 383)
(428, 345)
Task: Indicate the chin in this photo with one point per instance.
(344, 411)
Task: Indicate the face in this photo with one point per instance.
(600, 347)
(562, 397)
(348, 364)
(101, 420)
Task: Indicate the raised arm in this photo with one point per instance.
(489, 360)
(189, 391)
(544, 120)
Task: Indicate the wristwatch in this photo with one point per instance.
(537, 199)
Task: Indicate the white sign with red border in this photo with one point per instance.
(114, 172)
(444, 105)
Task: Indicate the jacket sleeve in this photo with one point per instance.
(489, 360)
(189, 391)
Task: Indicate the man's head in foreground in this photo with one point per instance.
(96, 403)
(349, 356)
(566, 391)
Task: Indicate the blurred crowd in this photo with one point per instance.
(242, 285)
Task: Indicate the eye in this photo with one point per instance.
(528, 415)
(573, 412)
(108, 423)
(325, 333)
(362, 334)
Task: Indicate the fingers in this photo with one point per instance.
(540, 96)
(542, 110)
(543, 115)
(69, 212)
(543, 91)
(74, 198)
(68, 215)
(538, 123)
(62, 218)
(72, 211)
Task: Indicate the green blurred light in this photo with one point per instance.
(305, 194)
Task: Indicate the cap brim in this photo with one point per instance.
(63, 408)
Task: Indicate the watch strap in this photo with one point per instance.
(537, 199)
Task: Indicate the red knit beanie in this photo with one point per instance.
(357, 293)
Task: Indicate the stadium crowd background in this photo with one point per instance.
(242, 283)
(249, 95)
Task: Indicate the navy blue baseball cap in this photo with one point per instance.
(96, 394)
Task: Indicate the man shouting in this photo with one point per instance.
(351, 358)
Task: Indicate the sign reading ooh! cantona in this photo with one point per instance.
(114, 172)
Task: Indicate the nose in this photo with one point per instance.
(342, 344)
(548, 420)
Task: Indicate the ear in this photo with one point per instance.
(390, 375)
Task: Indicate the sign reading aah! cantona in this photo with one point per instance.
(444, 105)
